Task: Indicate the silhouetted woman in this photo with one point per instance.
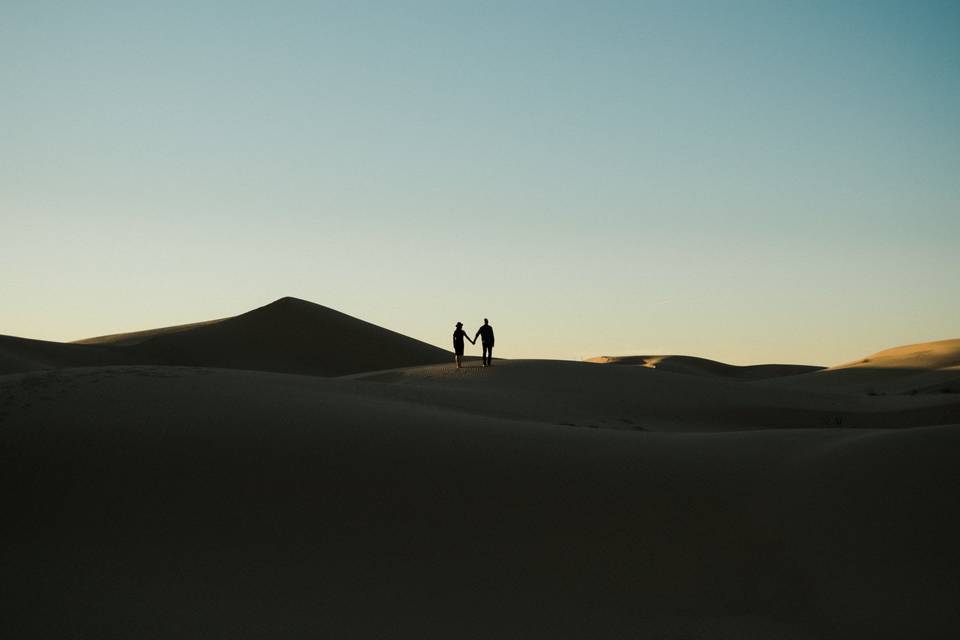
(458, 335)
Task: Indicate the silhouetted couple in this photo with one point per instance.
(485, 333)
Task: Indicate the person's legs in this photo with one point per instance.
(490, 356)
(459, 357)
(487, 352)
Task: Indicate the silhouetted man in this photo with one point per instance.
(486, 341)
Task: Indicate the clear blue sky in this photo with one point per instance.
(748, 181)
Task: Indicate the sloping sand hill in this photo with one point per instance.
(641, 398)
(136, 337)
(691, 365)
(916, 369)
(292, 336)
(288, 336)
(23, 354)
(682, 498)
(159, 502)
(941, 354)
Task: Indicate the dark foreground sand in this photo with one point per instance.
(149, 501)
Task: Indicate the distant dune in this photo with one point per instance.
(925, 368)
(941, 354)
(691, 365)
(286, 336)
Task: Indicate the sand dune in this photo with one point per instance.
(385, 495)
(916, 369)
(23, 354)
(158, 502)
(584, 394)
(288, 336)
(691, 365)
(136, 337)
(292, 336)
(941, 354)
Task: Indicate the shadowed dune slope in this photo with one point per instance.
(286, 336)
(641, 398)
(691, 365)
(23, 354)
(136, 337)
(159, 502)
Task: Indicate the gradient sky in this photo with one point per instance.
(746, 181)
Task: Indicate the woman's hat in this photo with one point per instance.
(459, 324)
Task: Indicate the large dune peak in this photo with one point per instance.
(288, 335)
(291, 335)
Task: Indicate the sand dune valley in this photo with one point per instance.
(294, 472)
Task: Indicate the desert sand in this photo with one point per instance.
(293, 472)
(285, 336)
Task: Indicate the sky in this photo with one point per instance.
(745, 181)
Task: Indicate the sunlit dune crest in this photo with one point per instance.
(692, 365)
(940, 354)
